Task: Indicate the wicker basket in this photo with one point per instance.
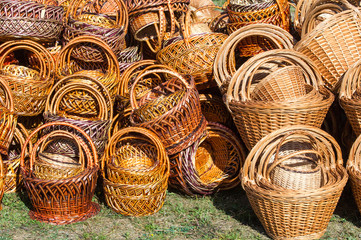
(334, 55)
(11, 163)
(288, 213)
(225, 62)
(84, 102)
(106, 69)
(135, 172)
(172, 110)
(212, 163)
(256, 119)
(29, 86)
(30, 20)
(67, 200)
(349, 96)
(214, 110)
(81, 21)
(194, 54)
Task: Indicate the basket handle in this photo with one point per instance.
(45, 59)
(112, 144)
(93, 159)
(351, 81)
(73, 82)
(9, 102)
(281, 5)
(133, 101)
(64, 56)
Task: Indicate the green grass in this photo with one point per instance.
(225, 216)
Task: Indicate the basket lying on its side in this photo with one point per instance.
(29, 86)
(350, 96)
(256, 118)
(135, 172)
(264, 37)
(68, 199)
(12, 162)
(80, 21)
(31, 20)
(84, 102)
(212, 163)
(331, 53)
(288, 213)
(171, 110)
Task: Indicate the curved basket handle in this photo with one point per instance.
(133, 101)
(64, 56)
(45, 59)
(112, 144)
(351, 80)
(93, 160)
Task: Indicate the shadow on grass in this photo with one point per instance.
(235, 204)
(24, 197)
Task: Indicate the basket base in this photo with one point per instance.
(305, 237)
(94, 210)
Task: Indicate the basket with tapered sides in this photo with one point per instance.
(29, 85)
(61, 200)
(266, 36)
(331, 53)
(111, 28)
(36, 20)
(294, 213)
(212, 163)
(135, 172)
(105, 69)
(84, 102)
(254, 118)
(12, 162)
(171, 110)
(349, 95)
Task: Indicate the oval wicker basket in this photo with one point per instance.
(212, 163)
(29, 86)
(268, 37)
(294, 214)
(30, 20)
(67, 200)
(135, 172)
(171, 110)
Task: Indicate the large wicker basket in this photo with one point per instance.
(266, 37)
(66, 200)
(29, 86)
(212, 163)
(289, 213)
(172, 110)
(30, 20)
(255, 119)
(135, 172)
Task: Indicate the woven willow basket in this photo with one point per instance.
(67, 200)
(84, 102)
(135, 172)
(171, 110)
(11, 163)
(288, 213)
(272, 37)
(106, 70)
(334, 55)
(212, 163)
(29, 86)
(30, 19)
(255, 119)
(349, 96)
(214, 110)
(81, 21)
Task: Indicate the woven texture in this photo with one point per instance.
(212, 163)
(31, 20)
(353, 169)
(288, 213)
(135, 172)
(67, 200)
(171, 110)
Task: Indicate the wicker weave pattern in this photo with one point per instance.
(20, 19)
(287, 213)
(353, 168)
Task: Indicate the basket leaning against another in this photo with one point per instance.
(294, 213)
